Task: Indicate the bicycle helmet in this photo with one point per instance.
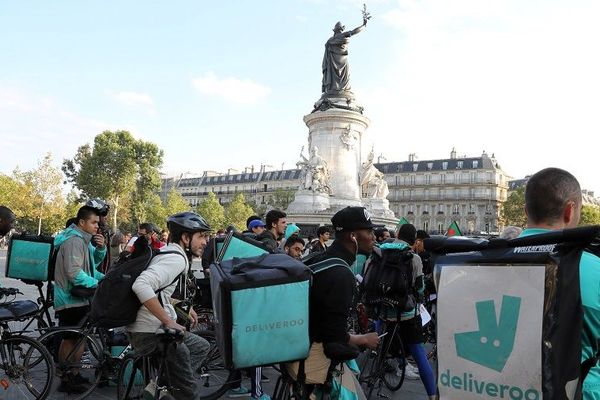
(187, 222)
(99, 205)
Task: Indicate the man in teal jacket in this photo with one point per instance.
(81, 249)
(553, 201)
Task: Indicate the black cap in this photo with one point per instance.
(351, 219)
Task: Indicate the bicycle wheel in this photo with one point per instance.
(394, 362)
(29, 371)
(77, 377)
(215, 379)
(369, 363)
(132, 380)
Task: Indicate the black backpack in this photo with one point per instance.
(389, 277)
(114, 303)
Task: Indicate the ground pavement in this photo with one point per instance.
(411, 389)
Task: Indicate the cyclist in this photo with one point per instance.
(7, 219)
(103, 208)
(189, 233)
(80, 250)
(333, 290)
(553, 201)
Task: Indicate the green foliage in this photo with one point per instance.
(590, 215)
(282, 198)
(513, 209)
(118, 168)
(212, 211)
(237, 212)
(175, 203)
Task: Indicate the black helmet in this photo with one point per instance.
(99, 205)
(187, 222)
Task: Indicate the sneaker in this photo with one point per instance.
(263, 396)
(411, 372)
(264, 378)
(238, 392)
(68, 386)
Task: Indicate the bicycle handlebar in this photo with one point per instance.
(9, 292)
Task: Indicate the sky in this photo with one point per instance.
(221, 85)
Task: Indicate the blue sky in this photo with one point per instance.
(222, 85)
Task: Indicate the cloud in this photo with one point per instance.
(135, 99)
(508, 77)
(233, 90)
(33, 124)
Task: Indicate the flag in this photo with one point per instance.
(453, 230)
(402, 222)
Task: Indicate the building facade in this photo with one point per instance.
(431, 194)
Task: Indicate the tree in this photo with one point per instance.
(237, 212)
(513, 209)
(16, 196)
(282, 198)
(48, 202)
(175, 203)
(118, 168)
(590, 215)
(212, 211)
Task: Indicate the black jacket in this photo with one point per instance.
(331, 297)
(269, 240)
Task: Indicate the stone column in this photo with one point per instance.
(338, 135)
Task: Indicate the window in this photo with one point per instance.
(455, 208)
(445, 165)
(441, 208)
(411, 209)
(425, 209)
(426, 226)
(443, 178)
(459, 164)
(412, 179)
(440, 228)
(428, 179)
(471, 208)
(415, 167)
(429, 166)
(399, 168)
(265, 187)
(475, 164)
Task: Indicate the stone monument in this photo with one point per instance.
(333, 175)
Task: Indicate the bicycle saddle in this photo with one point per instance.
(17, 310)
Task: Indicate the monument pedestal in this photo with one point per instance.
(307, 201)
(379, 208)
(337, 133)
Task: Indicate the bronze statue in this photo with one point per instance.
(336, 73)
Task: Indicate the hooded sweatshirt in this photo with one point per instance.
(76, 263)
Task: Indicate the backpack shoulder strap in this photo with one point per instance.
(174, 280)
(328, 263)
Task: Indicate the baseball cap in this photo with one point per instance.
(352, 218)
(255, 224)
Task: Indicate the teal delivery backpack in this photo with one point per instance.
(30, 258)
(261, 309)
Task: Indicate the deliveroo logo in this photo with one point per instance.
(492, 344)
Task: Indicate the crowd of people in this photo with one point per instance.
(86, 251)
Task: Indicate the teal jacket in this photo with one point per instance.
(76, 264)
(589, 282)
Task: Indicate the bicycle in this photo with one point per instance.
(41, 317)
(96, 366)
(138, 371)
(27, 367)
(386, 365)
